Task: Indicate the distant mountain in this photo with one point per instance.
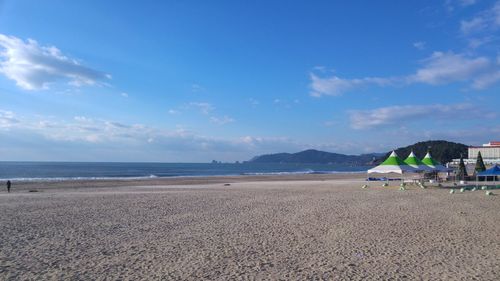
(312, 156)
(442, 151)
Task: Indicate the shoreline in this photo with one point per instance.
(153, 177)
(180, 181)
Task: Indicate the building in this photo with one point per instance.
(489, 151)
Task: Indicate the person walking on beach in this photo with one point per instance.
(8, 186)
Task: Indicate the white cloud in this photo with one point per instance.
(82, 119)
(7, 119)
(253, 102)
(173, 111)
(221, 120)
(486, 80)
(336, 86)
(285, 103)
(488, 20)
(479, 72)
(439, 68)
(35, 67)
(203, 107)
(450, 5)
(125, 95)
(475, 43)
(419, 45)
(473, 25)
(403, 114)
(86, 138)
(124, 142)
(196, 88)
(442, 68)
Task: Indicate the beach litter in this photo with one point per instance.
(364, 186)
(385, 184)
(473, 189)
(489, 193)
(452, 191)
(462, 189)
(484, 187)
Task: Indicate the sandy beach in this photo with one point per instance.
(310, 227)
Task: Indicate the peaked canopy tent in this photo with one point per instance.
(417, 164)
(393, 164)
(433, 164)
(491, 172)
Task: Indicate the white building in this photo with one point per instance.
(489, 151)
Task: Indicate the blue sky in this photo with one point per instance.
(192, 81)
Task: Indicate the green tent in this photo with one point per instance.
(435, 165)
(393, 164)
(416, 163)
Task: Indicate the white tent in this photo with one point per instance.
(416, 163)
(393, 164)
(433, 164)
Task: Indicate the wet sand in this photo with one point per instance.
(313, 227)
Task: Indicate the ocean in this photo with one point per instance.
(57, 171)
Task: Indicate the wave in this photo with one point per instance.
(152, 176)
(307, 172)
(55, 179)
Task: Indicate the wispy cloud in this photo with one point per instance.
(488, 20)
(443, 68)
(195, 88)
(221, 120)
(477, 71)
(285, 103)
(35, 67)
(49, 138)
(336, 86)
(467, 2)
(473, 25)
(419, 45)
(7, 119)
(253, 102)
(439, 68)
(206, 109)
(475, 43)
(403, 114)
(450, 5)
(203, 107)
(486, 80)
(141, 142)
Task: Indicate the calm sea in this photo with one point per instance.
(85, 170)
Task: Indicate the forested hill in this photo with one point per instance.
(442, 151)
(317, 157)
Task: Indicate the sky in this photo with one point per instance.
(193, 81)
